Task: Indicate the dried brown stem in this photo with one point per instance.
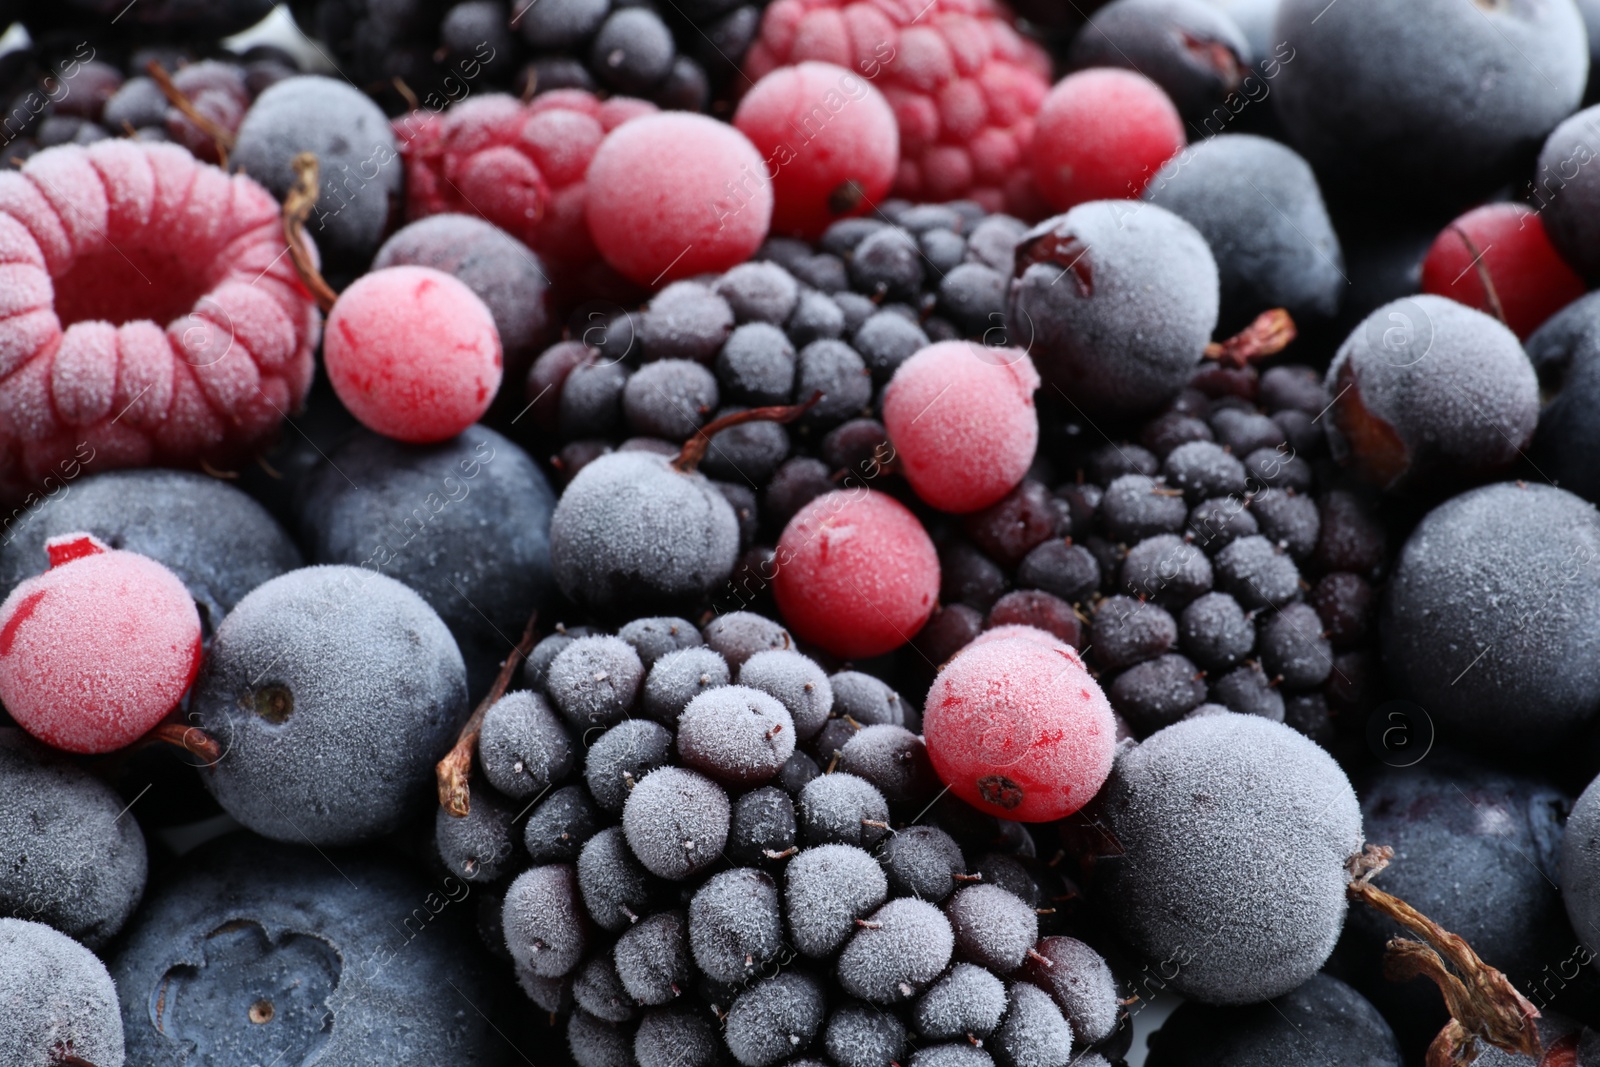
(1483, 1004)
(1482, 270)
(69, 1060)
(191, 739)
(454, 772)
(694, 449)
(1268, 335)
(296, 209)
(175, 96)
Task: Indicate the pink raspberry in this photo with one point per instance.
(964, 85)
(520, 166)
(148, 313)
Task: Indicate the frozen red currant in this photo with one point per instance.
(1018, 728)
(97, 650)
(1506, 246)
(1102, 134)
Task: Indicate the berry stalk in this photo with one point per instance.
(454, 772)
(296, 209)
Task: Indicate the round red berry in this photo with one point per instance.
(413, 353)
(1102, 134)
(961, 418)
(857, 574)
(830, 142)
(674, 195)
(1507, 243)
(1017, 727)
(97, 650)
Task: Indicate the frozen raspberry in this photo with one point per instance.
(521, 166)
(413, 353)
(675, 195)
(830, 141)
(96, 650)
(1506, 243)
(961, 419)
(1102, 135)
(150, 315)
(1019, 729)
(857, 574)
(964, 85)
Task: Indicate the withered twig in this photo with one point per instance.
(694, 449)
(177, 98)
(1268, 335)
(296, 209)
(454, 772)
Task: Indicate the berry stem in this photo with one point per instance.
(1268, 335)
(454, 772)
(191, 739)
(1483, 1004)
(296, 209)
(175, 96)
(694, 449)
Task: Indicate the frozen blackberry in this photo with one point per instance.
(1034, 1032)
(896, 952)
(774, 1019)
(594, 1042)
(621, 757)
(862, 1035)
(969, 1001)
(762, 831)
(1157, 692)
(1257, 573)
(1064, 570)
(676, 822)
(616, 889)
(1166, 569)
(1137, 506)
(739, 635)
(893, 759)
(923, 861)
(1248, 691)
(675, 1038)
(1269, 869)
(825, 890)
(677, 678)
(523, 747)
(595, 681)
(597, 989)
(797, 682)
(737, 735)
(544, 920)
(735, 924)
(478, 846)
(842, 809)
(993, 928)
(1215, 632)
(886, 340)
(60, 1002)
(1294, 649)
(653, 960)
(669, 399)
(1202, 470)
(1082, 985)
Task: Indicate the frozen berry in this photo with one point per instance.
(98, 649)
(842, 809)
(1192, 49)
(923, 861)
(1081, 982)
(774, 1019)
(832, 141)
(1019, 729)
(545, 926)
(676, 822)
(993, 928)
(677, 678)
(826, 890)
(478, 846)
(1128, 631)
(675, 195)
(594, 681)
(857, 573)
(413, 353)
(1102, 134)
(653, 959)
(1499, 259)
(798, 683)
(616, 890)
(896, 952)
(561, 825)
(967, 1001)
(61, 1004)
(621, 756)
(762, 831)
(736, 735)
(859, 1035)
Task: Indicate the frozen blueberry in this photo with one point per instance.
(1157, 692)
(465, 523)
(842, 809)
(677, 678)
(861, 1035)
(1034, 1033)
(1257, 573)
(1081, 982)
(669, 399)
(762, 829)
(1257, 205)
(543, 918)
(825, 890)
(968, 1000)
(1166, 569)
(561, 825)
(686, 320)
(333, 691)
(59, 999)
(77, 858)
(774, 1019)
(1215, 632)
(479, 845)
(253, 947)
(676, 822)
(896, 952)
(797, 682)
(759, 292)
(1486, 619)
(1137, 506)
(993, 928)
(1097, 335)
(652, 958)
(622, 756)
(523, 747)
(1190, 48)
(597, 989)
(152, 512)
(1256, 822)
(595, 681)
(616, 890)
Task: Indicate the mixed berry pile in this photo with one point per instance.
(809, 533)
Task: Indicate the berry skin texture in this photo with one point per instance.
(96, 365)
(95, 651)
(1102, 134)
(57, 996)
(1017, 728)
(830, 140)
(963, 83)
(413, 353)
(675, 195)
(961, 418)
(1508, 242)
(857, 574)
